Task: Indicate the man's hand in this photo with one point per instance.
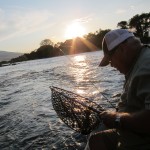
(108, 118)
(137, 122)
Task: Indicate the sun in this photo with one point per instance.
(75, 30)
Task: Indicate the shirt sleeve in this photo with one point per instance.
(143, 83)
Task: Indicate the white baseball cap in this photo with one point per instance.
(111, 40)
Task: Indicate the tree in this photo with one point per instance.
(46, 42)
(141, 23)
(99, 37)
(44, 51)
(122, 25)
(90, 37)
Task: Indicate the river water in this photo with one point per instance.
(27, 118)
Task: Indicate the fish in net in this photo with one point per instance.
(79, 113)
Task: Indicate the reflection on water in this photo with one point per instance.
(79, 69)
(80, 92)
(27, 118)
(95, 92)
(79, 58)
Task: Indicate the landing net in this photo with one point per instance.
(79, 113)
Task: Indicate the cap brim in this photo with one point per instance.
(104, 61)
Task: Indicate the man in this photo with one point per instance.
(129, 127)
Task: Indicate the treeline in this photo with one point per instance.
(47, 49)
(139, 24)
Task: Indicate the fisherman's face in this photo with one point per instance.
(118, 61)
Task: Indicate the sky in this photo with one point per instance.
(25, 23)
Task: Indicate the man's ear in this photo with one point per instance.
(120, 49)
(123, 48)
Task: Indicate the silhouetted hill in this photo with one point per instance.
(6, 56)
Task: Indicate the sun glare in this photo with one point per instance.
(79, 58)
(75, 30)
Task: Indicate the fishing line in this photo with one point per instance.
(113, 106)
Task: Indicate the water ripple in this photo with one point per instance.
(27, 118)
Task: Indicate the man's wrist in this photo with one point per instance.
(117, 121)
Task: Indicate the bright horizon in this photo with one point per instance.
(24, 24)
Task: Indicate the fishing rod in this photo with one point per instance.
(78, 112)
(113, 106)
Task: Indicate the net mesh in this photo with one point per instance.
(76, 111)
